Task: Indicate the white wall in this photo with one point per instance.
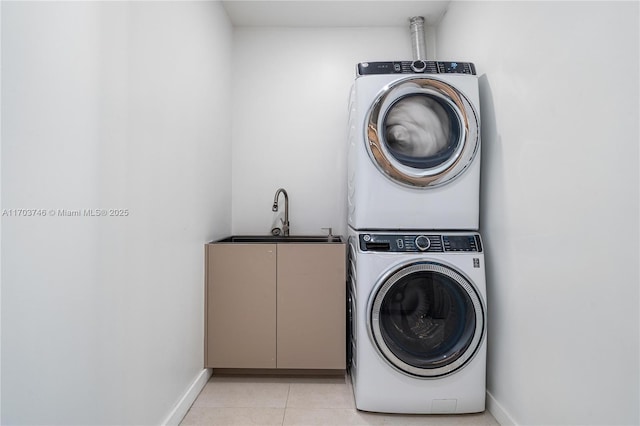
(559, 87)
(109, 105)
(291, 87)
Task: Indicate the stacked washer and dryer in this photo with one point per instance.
(417, 299)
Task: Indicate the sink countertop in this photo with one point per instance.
(313, 239)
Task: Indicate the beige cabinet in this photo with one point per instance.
(275, 306)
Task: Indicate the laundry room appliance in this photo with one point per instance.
(414, 146)
(417, 308)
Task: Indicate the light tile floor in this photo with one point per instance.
(289, 401)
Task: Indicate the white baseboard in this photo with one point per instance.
(498, 412)
(180, 410)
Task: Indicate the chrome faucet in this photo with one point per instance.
(285, 222)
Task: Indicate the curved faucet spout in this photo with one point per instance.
(285, 222)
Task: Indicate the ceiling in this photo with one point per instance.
(332, 13)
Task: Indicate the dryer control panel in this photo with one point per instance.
(415, 67)
(425, 243)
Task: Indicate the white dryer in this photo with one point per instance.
(414, 146)
(417, 308)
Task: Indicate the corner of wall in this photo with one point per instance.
(182, 407)
(498, 411)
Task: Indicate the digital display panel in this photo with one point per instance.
(459, 243)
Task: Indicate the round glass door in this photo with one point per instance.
(422, 133)
(426, 319)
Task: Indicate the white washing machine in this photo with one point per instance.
(417, 308)
(414, 146)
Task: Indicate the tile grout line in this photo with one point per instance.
(286, 403)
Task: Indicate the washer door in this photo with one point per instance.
(421, 132)
(426, 319)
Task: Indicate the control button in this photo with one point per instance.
(422, 242)
(418, 66)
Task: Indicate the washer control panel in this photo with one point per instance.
(427, 243)
(415, 67)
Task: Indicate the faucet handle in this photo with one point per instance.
(330, 231)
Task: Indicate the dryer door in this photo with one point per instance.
(421, 132)
(426, 319)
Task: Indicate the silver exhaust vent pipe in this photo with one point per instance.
(417, 38)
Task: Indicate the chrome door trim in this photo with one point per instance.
(468, 144)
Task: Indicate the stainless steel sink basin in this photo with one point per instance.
(281, 239)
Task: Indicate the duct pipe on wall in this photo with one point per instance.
(417, 38)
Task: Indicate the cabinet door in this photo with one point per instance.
(241, 306)
(311, 306)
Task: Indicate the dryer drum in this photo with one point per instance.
(426, 319)
(421, 132)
